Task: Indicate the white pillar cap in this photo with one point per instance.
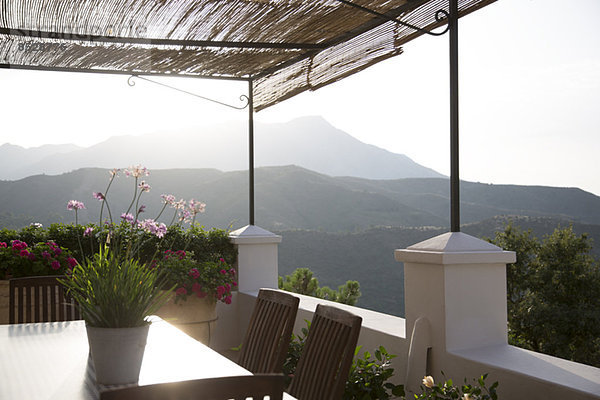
(455, 248)
(252, 234)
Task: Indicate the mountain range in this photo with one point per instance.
(291, 198)
(309, 142)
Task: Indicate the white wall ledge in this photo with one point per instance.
(553, 371)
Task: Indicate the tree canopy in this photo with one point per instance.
(552, 293)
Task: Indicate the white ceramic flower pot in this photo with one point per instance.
(117, 353)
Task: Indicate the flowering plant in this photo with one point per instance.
(209, 278)
(17, 259)
(447, 390)
(127, 237)
(133, 238)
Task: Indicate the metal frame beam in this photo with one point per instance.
(454, 145)
(251, 151)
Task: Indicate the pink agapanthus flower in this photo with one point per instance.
(143, 186)
(98, 196)
(127, 217)
(179, 205)
(168, 198)
(75, 205)
(137, 171)
(153, 227)
(185, 215)
(196, 207)
(88, 231)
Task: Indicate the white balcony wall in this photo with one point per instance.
(455, 288)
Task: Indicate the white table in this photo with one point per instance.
(50, 361)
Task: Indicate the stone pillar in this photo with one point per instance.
(458, 283)
(257, 258)
(257, 268)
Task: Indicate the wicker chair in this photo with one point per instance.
(233, 387)
(268, 336)
(39, 299)
(325, 362)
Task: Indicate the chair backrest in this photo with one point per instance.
(325, 361)
(39, 299)
(255, 387)
(268, 336)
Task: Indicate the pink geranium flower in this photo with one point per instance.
(194, 273)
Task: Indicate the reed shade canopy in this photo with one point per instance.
(284, 47)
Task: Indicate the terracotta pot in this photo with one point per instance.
(117, 353)
(196, 317)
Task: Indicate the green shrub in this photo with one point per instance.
(368, 378)
(301, 281)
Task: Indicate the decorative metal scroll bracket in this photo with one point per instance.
(243, 97)
(440, 15)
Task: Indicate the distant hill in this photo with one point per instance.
(14, 159)
(310, 142)
(368, 256)
(293, 198)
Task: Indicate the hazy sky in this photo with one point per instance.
(529, 99)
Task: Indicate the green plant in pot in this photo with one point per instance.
(116, 296)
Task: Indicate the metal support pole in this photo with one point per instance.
(454, 177)
(251, 150)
